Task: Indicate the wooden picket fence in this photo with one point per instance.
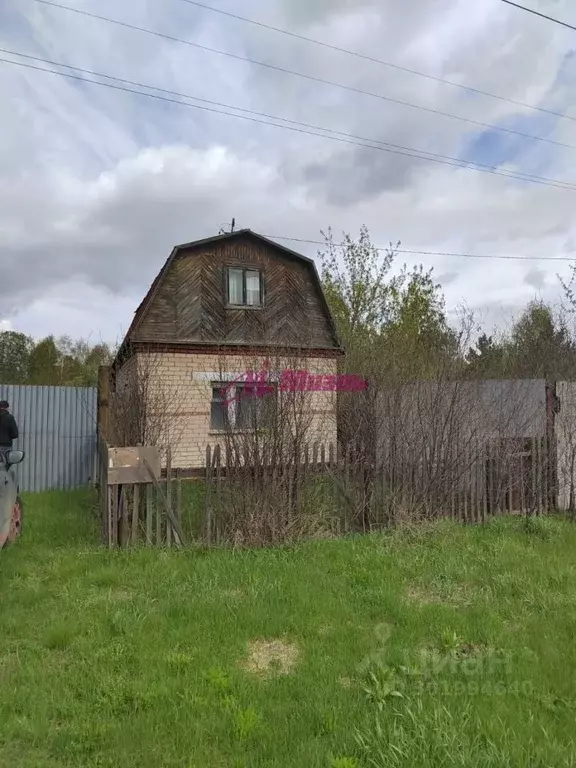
(330, 490)
(252, 498)
(137, 504)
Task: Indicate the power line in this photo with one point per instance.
(454, 162)
(542, 15)
(374, 60)
(421, 154)
(303, 75)
(433, 253)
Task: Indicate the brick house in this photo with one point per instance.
(218, 309)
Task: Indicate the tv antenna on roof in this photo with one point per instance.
(227, 229)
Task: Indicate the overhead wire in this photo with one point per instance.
(421, 154)
(382, 146)
(541, 15)
(304, 75)
(447, 254)
(416, 154)
(374, 60)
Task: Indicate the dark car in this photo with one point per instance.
(11, 510)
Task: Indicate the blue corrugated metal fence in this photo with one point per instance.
(57, 428)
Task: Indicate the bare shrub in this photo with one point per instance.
(443, 444)
(274, 432)
(146, 404)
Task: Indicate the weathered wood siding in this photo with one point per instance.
(190, 304)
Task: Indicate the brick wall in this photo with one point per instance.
(180, 386)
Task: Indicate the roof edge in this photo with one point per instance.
(152, 291)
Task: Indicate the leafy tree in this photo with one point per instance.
(15, 351)
(44, 363)
(488, 359)
(541, 345)
(418, 337)
(390, 324)
(394, 327)
(356, 285)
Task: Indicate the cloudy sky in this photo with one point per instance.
(97, 185)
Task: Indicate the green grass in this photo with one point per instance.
(447, 646)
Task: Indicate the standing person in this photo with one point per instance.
(8, 428)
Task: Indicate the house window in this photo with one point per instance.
(219, 407)
(244, 287)
(242, 405)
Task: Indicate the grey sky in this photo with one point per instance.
(96, 185)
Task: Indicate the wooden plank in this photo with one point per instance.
(347, 487)
(510, 475)
(208, 497)
(539, 480)
(452, 480)
(158, 511)
(126, 464)
(149, 513)
(490, 483)
(122, 515)
(179, 497)
(111, 491)
(471, 480)
(135, 513)
(474, 458)
(482, 480)
(330, 479)
(546, 461)
(218, 487)
(179, 538)
(533, 497)
(466, 488)
(522, 488)
(168, 496)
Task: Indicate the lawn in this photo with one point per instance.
(448, 646)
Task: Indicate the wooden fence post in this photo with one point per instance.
(103, 402)
(149, 512)
(168, 496)
(135, 513)
(179, 497)
(208, 499)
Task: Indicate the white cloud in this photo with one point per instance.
(96, 186)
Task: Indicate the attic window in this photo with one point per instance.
(244, 287)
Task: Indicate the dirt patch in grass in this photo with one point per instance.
(422, 596)
(455, 594)
(269, 658)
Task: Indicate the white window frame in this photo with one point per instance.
(244, 303)
(232, 394)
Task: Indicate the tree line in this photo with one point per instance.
(51, 361)
(394, 325)
(392, 322)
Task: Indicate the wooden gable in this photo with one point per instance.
(187, 302)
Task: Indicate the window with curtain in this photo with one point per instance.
(219, 407)
(241, 405)
(244, 287)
